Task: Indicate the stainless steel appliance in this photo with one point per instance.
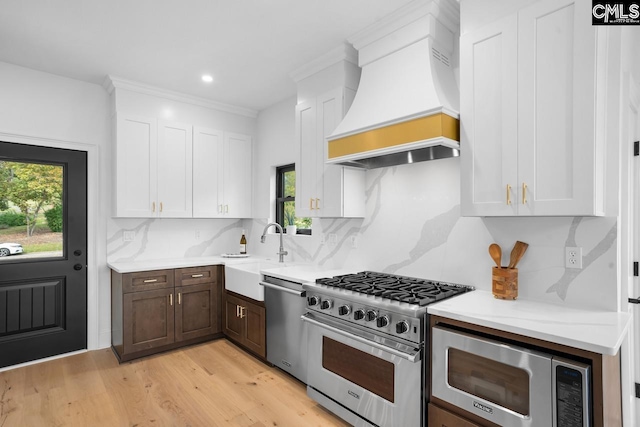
(285, 304)
(507, 384)
(366, 332)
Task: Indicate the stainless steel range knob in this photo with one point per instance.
(358, 314)
(344, 310)
(402, 327)
(326, 304)
(313, 300)
(371, 315)
(382, 321)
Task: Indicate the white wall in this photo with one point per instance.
(43, 109)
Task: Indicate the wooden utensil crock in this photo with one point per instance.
(504, 283)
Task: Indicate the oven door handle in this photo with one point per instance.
(283, 289)
(411, 357)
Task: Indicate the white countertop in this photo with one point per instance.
(596, 331)
(160, 264)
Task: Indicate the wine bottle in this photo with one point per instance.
(243, 244)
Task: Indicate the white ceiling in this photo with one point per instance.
(249, 46)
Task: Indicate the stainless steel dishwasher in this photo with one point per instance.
(286, 333)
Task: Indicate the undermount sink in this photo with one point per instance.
(244, 278)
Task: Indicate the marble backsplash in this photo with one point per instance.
(412, 227)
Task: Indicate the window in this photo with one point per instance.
(31, 210)
(286, 200)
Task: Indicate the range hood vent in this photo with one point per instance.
(406, 106)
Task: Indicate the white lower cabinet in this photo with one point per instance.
(221, 174)
(322, 190)
(532, 140)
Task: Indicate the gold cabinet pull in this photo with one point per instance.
(508, 194)
(317, 203)
(311, 203)
(524, 193)
(150, 280)
(197, 275)
(226, 208)
(153, 207)
(170, 299)
(219, 208)
(242, 309)
(160, 206)
(237, 311)
(179, 298)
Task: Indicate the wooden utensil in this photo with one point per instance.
(496, 253)
(517, 252)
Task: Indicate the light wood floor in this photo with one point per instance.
(212, 384)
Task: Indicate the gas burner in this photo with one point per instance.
(398, 288)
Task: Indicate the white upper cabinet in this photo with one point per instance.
(136, 167)
(207, 173)
(153, 168)
(172, 170)
(322, 190)
(237, 175)
(531, 141)
(221, 174)
(175, 144)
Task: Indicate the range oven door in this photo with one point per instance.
(362, 377)
(503, 383)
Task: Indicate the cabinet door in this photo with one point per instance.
(208, 164)
(330, 185)
(237, 175)
(233, 323)
(175, 173)
(195, 311)
(556, 108)
(256, 328)
(148, 320)
(136, 150)
(488, 108)
(306, 167)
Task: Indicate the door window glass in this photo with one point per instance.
(31, 210)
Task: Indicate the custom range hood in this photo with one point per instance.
(406, 106)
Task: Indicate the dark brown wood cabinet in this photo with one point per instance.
(154, 311)
(245, 323)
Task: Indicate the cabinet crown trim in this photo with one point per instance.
(111, 83)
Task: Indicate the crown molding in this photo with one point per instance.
(111, 83)
(344, 52)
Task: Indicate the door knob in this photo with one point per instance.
(77, 267)
(77, 252)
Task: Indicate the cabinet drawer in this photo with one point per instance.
(147, 280)
(195, 275)
(439, 417)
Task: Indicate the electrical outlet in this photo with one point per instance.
(333, 238)
(128, 235)
(354, 241)
(573, 257)
(197, 234)
(322, 238)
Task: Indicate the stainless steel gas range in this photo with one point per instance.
(366, 345)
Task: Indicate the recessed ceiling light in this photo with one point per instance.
(207, 78)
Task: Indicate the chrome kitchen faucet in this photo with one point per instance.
(281, 252)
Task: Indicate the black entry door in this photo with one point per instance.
(43, 291)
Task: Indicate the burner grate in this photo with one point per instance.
(398, 288)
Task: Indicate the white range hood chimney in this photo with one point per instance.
(406, 106)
